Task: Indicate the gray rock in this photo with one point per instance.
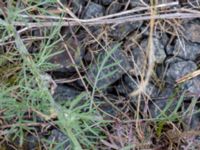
(167, 92)
(104, 79)
(108, 110)
(106, 2)
(140, 58)
(169, 49)
(31, 143)
(179, 69)
(192, 86)
(160, 36)
(191, 121)
(61, 58)
(173, 60)
(136, 3)
(159, 51)
(93, 10)
(192, 32)
(187, 50)
(151, 90)
(158, 106)
(164, 98)
(57, 137)
(165, 68)
(160, 71)
(114, 7)
(119, 32)
(63, 93)
(129, 85)
(165, 1)
(76, 5)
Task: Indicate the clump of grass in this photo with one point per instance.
(23, 90)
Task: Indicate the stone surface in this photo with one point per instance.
(56, 136)
(61, 57)
(159, 51)
(129, 85)
(179, 69)
(93, 10)
(104, 78)
(31, 143)
(192, 86)
(108, 112)
(172, 60)
(158, 48)
(169, 50)
(160, 71)
(75, 5)
(119, 32)
(78, 5)
(158, 106)
(113, 8)
(106, 2)
(191, 121)
(140, 58)
(187, 50)
(136, 3)
(63, 93)
(192, 32)
(162, 100)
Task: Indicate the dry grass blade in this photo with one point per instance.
(118, 20)
(188, 77)
(136, 10)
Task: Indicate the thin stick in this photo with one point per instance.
(104, 17)
(119, 20)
